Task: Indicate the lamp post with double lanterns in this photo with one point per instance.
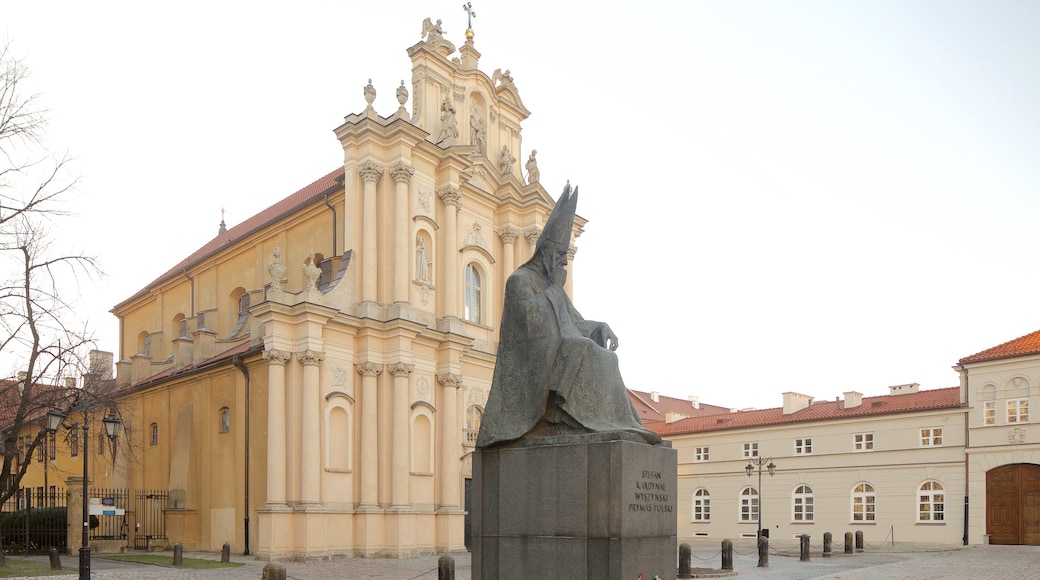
(55, 418)
(750, 469)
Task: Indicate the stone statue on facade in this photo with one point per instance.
(533, 175)
(433, 34)
(478, 132)
(277, 270)
(556, 373)
(311, 272)
(506, 161)
(449, 126)
(422, 263)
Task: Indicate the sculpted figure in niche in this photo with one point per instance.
(422, 263)
(449, 127)
(506, 161)
(533, 175)
(556, 373)
(479, 134)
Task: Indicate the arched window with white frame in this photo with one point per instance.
(749, 504)
(802, 504)
(863, 503)
(931, 502)
(701, 506)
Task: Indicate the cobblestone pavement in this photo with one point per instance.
(895, 563)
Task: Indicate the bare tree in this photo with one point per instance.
(40, 340)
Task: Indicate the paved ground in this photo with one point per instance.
(895, 563)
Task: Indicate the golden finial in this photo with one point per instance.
(470, 15)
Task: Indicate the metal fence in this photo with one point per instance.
(34, 520)
(109, 514)
(151, 518)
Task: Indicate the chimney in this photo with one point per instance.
(853, 399)
(794, 402)
(101, 364)
(655, 396)
(907, 389)
(695, 401)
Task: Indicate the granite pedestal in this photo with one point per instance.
(590, 506)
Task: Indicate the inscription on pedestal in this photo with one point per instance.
(651, 494)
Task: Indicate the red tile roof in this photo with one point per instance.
(1021, 346)
(301, 198)
(44, 398)
(651, 411)
(819, 411)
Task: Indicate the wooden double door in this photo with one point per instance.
(1013, 504)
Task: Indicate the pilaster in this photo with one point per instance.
(399, 500)
(369, 372)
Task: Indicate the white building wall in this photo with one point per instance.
(896, 468)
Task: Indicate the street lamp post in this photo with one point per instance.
(112, 423)
(749, 469)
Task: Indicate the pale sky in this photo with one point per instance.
(782, 196)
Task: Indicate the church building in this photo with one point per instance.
(310, 382)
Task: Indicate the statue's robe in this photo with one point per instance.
(549, 356)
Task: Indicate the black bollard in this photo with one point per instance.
(684, 561)
(273, 571)
(727, 554)
(55, 559)
(446, 568)
(225, 553)
(848, 542)
(763, 552)
(178, 554)
(859, 541)
(803, 547)
(828, 541)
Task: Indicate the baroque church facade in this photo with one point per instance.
(310, 382)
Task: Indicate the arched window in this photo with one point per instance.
(701, 506)
(863, 503)
(240, 307)
(473, 305)
(179, 325)
(749, 504)
(931, 502)
(144, 343)
(803, 504)
(155, 433)
(225, 420)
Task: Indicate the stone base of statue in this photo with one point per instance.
(597, 505)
